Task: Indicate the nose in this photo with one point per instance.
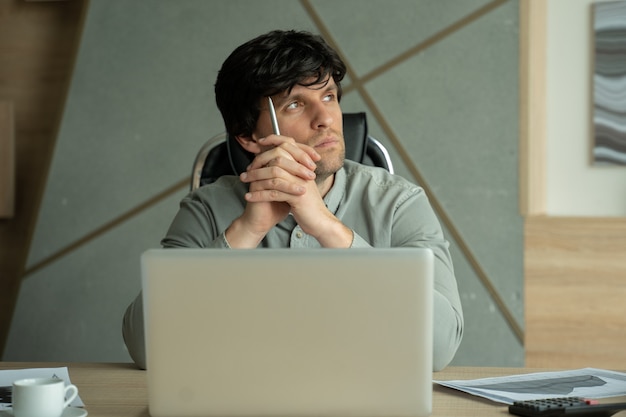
(322, 116)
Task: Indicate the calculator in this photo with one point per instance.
(565, 406)
(5, 395)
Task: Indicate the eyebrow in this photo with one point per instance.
(281, 100)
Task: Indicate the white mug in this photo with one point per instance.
(42, 397)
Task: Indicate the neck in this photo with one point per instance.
(325, 184)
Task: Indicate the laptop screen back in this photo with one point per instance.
(288, 332)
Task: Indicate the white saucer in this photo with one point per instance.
(74, 412)
(68, 412)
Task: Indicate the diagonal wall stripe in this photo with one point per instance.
(107, 226)
(445, 218)
(358, 84)
(426, 44)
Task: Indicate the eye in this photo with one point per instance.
(292, 105)
(329, 97)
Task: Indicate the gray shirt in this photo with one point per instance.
(383, 210)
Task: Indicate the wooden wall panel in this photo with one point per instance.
(575, 292)
(7, 160)
(575, 268)
(532, 114)
(38, 44)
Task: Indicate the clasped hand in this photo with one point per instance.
(281, 180)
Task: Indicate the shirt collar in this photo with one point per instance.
(335, 194)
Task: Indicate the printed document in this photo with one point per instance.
(9, 375)
(587, 383)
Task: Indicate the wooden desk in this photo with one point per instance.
(119, 390)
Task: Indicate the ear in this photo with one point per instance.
(248, 143)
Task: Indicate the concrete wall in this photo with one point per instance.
(438, 79)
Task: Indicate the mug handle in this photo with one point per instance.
(72, 396)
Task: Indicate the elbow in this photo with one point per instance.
(133, 333)
(445, 350)
(447, 336)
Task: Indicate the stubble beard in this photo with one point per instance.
(332, 162)
(328, 167)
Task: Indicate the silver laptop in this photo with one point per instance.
(288, 332)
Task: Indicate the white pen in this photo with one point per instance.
(274, 123)
(273, 116)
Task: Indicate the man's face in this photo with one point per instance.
(311, 116)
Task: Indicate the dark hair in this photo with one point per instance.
(267, 65)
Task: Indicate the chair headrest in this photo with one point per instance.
(354, 133)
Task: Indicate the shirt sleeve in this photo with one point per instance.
(411, 222)
(416, 225)
(405, 218)
(358, 241)
(192, 227)
(133, 332)
(205, 214)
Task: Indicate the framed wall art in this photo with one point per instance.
(609, 83)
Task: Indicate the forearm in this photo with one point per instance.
(334, 234)
(239, 236)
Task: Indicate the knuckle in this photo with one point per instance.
(273, 194)
(274, 182)
(274, 170)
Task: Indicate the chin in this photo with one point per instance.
(327, 168)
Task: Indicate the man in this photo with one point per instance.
(298, 190)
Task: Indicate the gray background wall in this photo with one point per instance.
(438, 79)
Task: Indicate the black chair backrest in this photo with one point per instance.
(228, 158)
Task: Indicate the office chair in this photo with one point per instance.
(223, 156)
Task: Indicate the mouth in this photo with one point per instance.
(326, 144)
(327, 141)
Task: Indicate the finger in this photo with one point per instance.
(262, 196)
(279, 184)
(304, 154)
(287, 151)
(310, 151)
(280, 158)
(274, 155)
(292, 172)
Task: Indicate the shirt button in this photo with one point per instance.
(299, 235)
